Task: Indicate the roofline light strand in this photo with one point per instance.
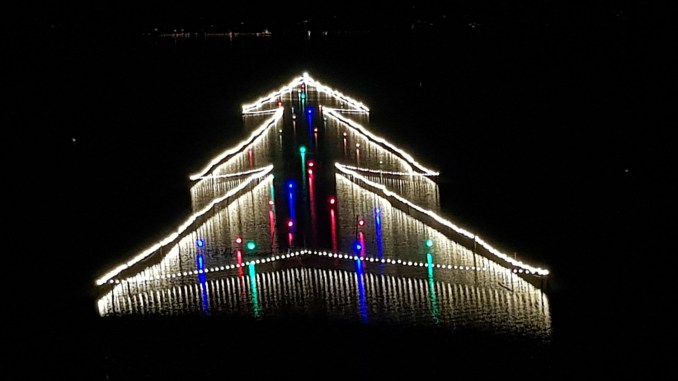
(182, 228)
(303, 251)
(304, 79)
(273, 96)
(380, 172)
(335, 93)
(443, 221)
(371, 136)
(242, 144)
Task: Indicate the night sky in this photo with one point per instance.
(566, 108)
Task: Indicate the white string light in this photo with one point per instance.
(234, 174)
(219, 158)
(380, 140)
(183, 227)
(276, 258)
(349, 170)
(377, 171)
(296, 82)
(443, 221)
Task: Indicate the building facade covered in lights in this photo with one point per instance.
(313, 206)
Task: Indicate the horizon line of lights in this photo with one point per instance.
(303, 79)
(443, 221)
(378, 139)
(378, 171)
(182, 228)
(242, 144)
(338, 255)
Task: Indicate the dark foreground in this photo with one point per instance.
(158, 348)
(78, 344)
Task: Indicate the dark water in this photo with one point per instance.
(548, 140)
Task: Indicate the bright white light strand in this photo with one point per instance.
(182, 228)
(359, 105)
(238, 148)
(371, 136)
(258, 173)
(234, 174)
(140, 278)
(377, 171)
(273, 96)
(296, 82)
(443, 221)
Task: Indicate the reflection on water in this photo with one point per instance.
(312, 215)
(343, 289)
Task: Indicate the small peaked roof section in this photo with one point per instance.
(269, 102)
(271, 105)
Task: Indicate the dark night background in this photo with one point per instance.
(549, 123)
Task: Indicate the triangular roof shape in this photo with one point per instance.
(300, 112)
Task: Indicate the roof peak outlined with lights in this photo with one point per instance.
(270, 107)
